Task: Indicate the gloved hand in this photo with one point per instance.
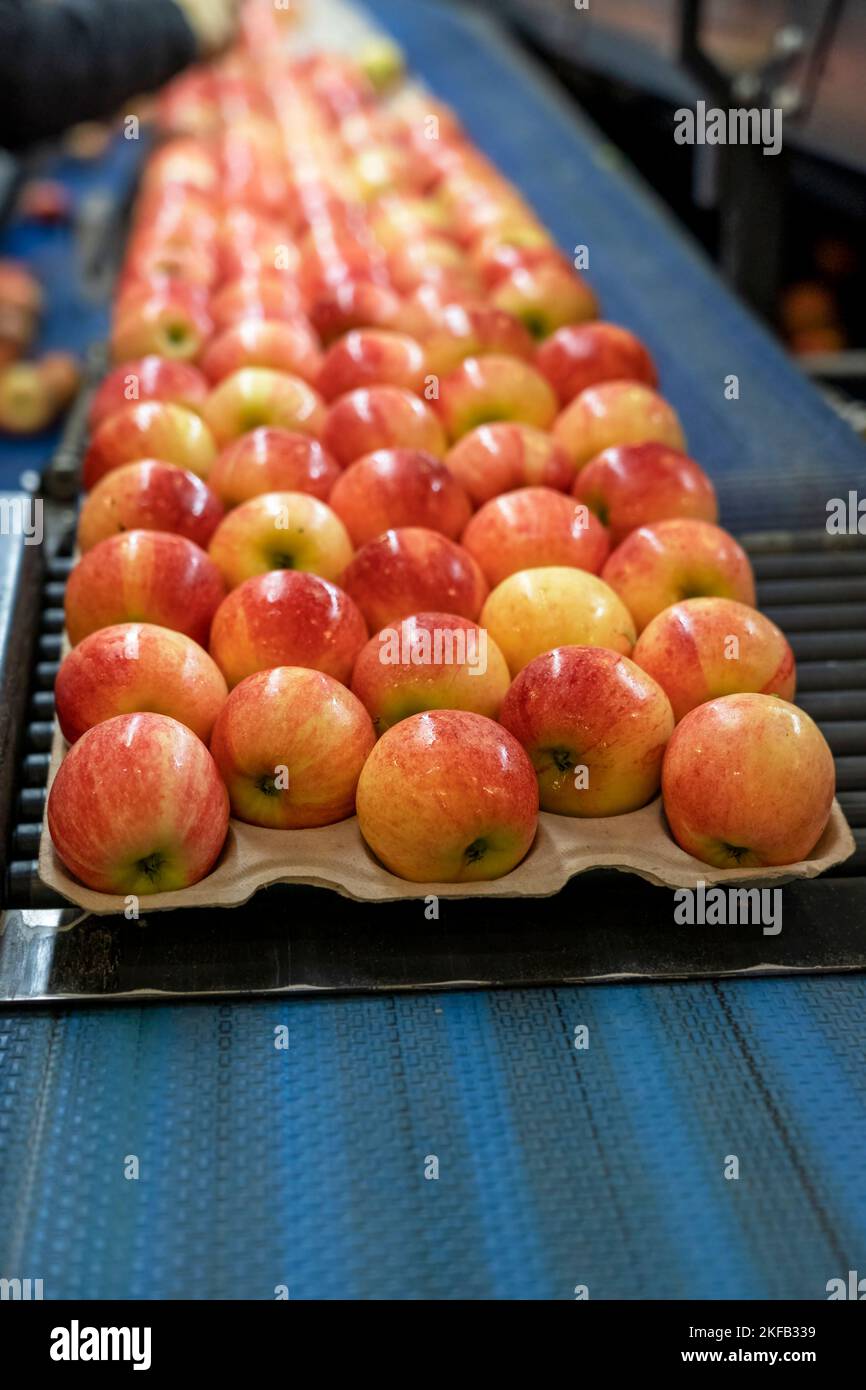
(212, 21)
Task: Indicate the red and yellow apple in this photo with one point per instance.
(371, 357)
(484, 389)
(256, 297)
(616, 412)
(149, 496)
(255, 396)
(448, 796)
(148, 379)
(579, 355)
(284, 345)
(459, 331)
(287, 618)
(272, 460)
(595, 727)
(531, 527)
(429, 661)
(354, 304)
(413, 570)
(289, 744)
(498, 458)
(399, 487)
(138, 807)
(164, 324)
(702, 648)
(748, 781)
(545, 296)
(134, 667)
(536, 610)
(280, 531)
(668, 561)
(143, 577)
(630, 485)
(149, 430)
(380, 417)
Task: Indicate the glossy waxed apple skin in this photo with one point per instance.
(148, 379)
(254, 396)
(270, 459)
(280, 530)
(371, 357)
(280, 345)
(290, 744)
(688, 649)
(535, 610)
(672, 560)
(138, 806)
(590, 708)
(380, 417)
(635, 485)
(491, 388)
(532, 527)
(585, 354)
(144, 576)
(748, 781)
(149, 496)
(137, 667)
(149, 430)
(287, 618)
(413, 570)
(545, 297)
(448, 797)
(391, 691)
(394, 488)
(474, 330)
(615, 412)
(503, 456)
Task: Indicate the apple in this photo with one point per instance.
(143, 576)
(371, 357)
(149, 430)
(380, 417)
(429, 661)
(496, 254)
(544, 297)
(163, 324)
(138, 807)
(413, 570)
(287, 618)
(616, 412)
(272, 460)
(435, 260)
(531, 527)
(148, 379)
(484, 389)
(290, 744)
(354, 304)
(285, 345)
(399, 487)
(133, 667)
(149, 496)
(280, 531)
(498, 458)
(579, 355)
(257, 396)
(661, 564)
(448, 796)
(536, 610)
(184, 161)
(748, 782)
(630, 485)
(702, 648)
(272, 296)
(595, 727)
(459, 331)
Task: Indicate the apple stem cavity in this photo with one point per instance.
(475, 852)
(151, 865)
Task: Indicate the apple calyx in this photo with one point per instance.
(151, 865)
(475, 852)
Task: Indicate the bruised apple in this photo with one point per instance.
(448, 796)
(138, 807)
(289, 744)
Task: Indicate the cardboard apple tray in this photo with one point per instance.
(336, 857)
